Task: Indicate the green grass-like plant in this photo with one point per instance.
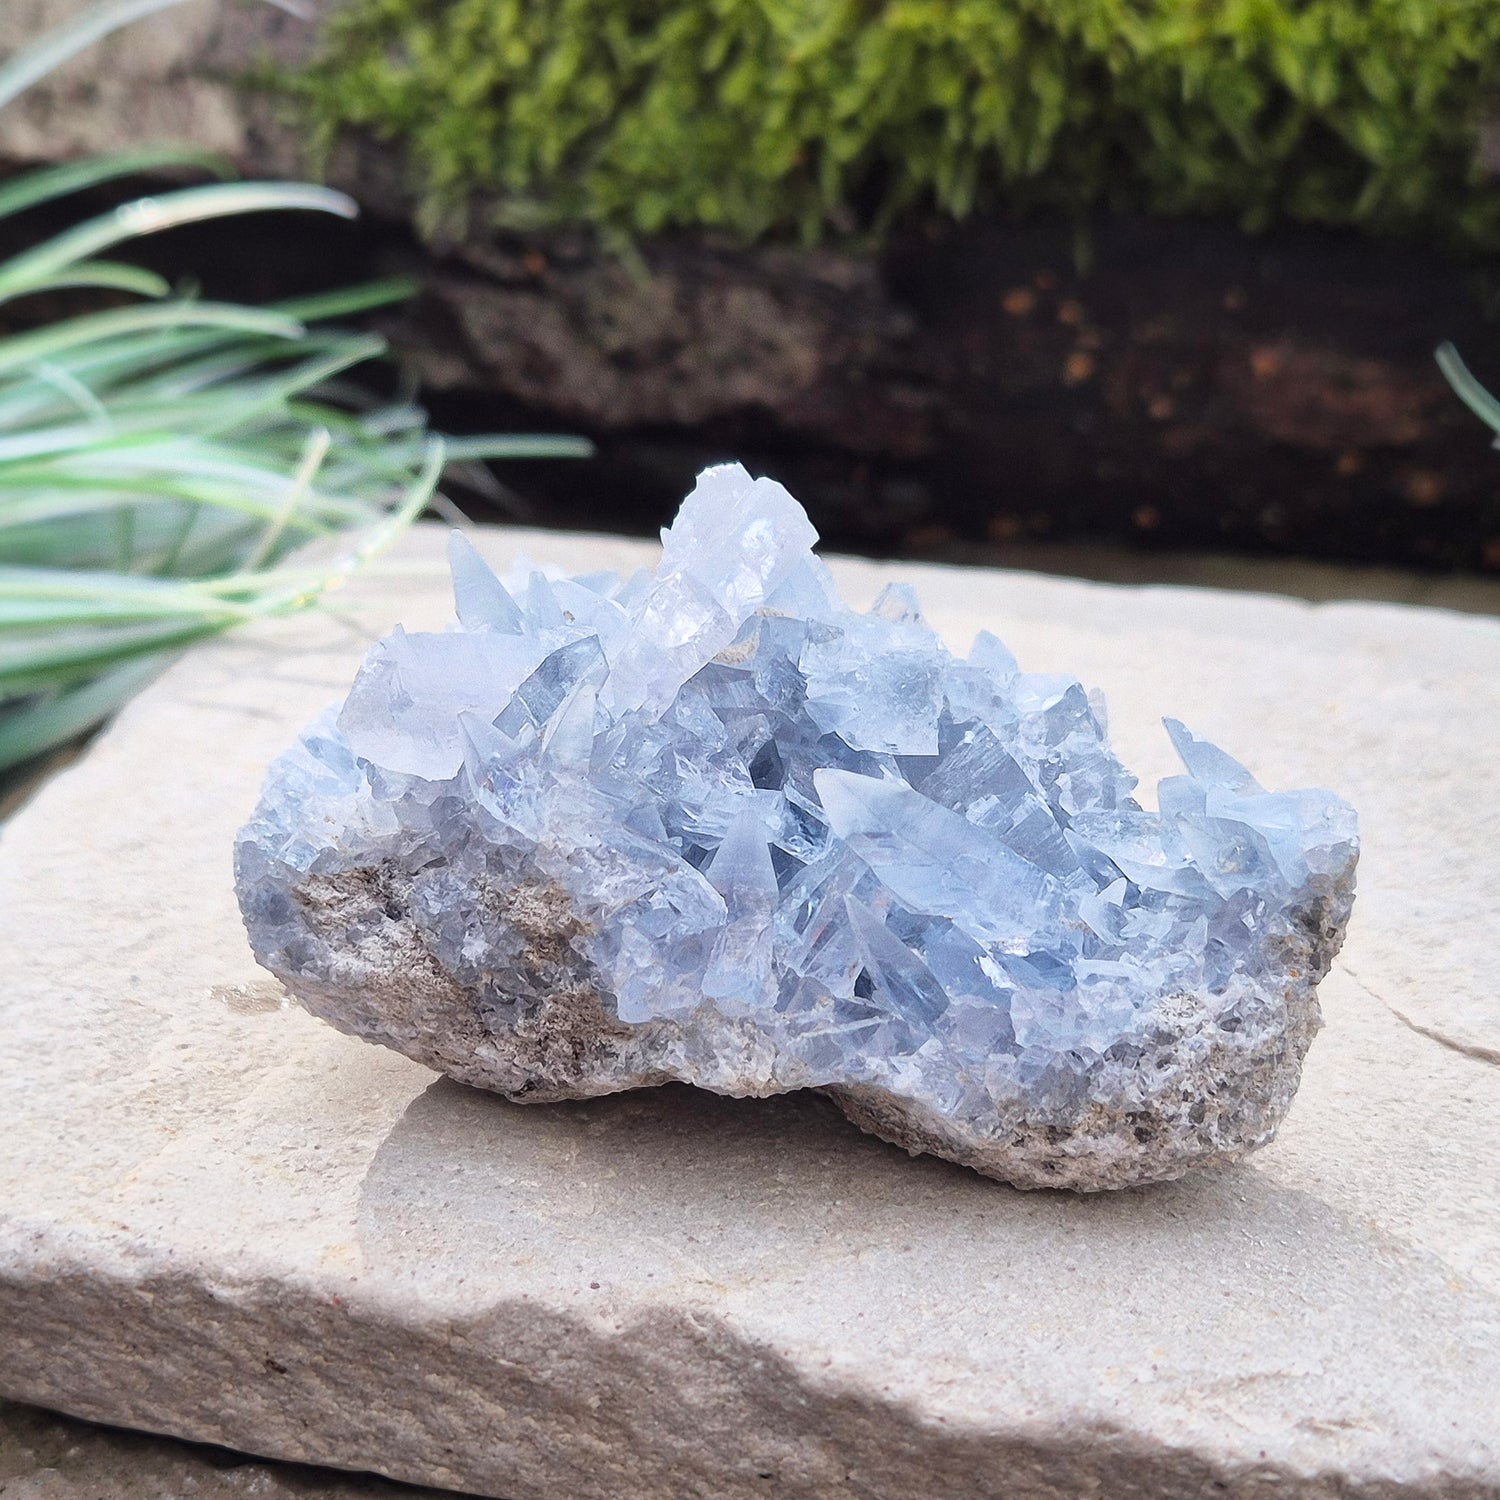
(1467, 387)
(831, 117)
(161, 458)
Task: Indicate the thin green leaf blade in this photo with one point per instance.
(146, 216)
(50, 183)
(29, 729)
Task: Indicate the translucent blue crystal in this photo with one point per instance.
(713, 824)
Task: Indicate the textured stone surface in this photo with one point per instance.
(712, 825)
(220, 1219)
(168, 77)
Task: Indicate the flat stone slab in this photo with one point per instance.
(222, 1220)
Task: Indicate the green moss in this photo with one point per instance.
(821, 118)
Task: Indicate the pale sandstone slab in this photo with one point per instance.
(224, 1221)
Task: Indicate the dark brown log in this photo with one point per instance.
(1195, 387)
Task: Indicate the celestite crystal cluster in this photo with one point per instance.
(711, 824)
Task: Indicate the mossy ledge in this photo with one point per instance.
(789, 118)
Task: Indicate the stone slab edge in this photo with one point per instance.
(666, 1406)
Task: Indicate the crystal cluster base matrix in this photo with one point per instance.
(712, 825)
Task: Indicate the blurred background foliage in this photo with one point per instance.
(828, 118)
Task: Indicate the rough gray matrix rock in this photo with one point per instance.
(711, 825)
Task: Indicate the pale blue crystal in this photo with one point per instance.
(770, 842)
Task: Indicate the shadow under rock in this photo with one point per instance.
(655, 1260)
(782, 1203)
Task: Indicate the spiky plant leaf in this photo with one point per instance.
(160, 460)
